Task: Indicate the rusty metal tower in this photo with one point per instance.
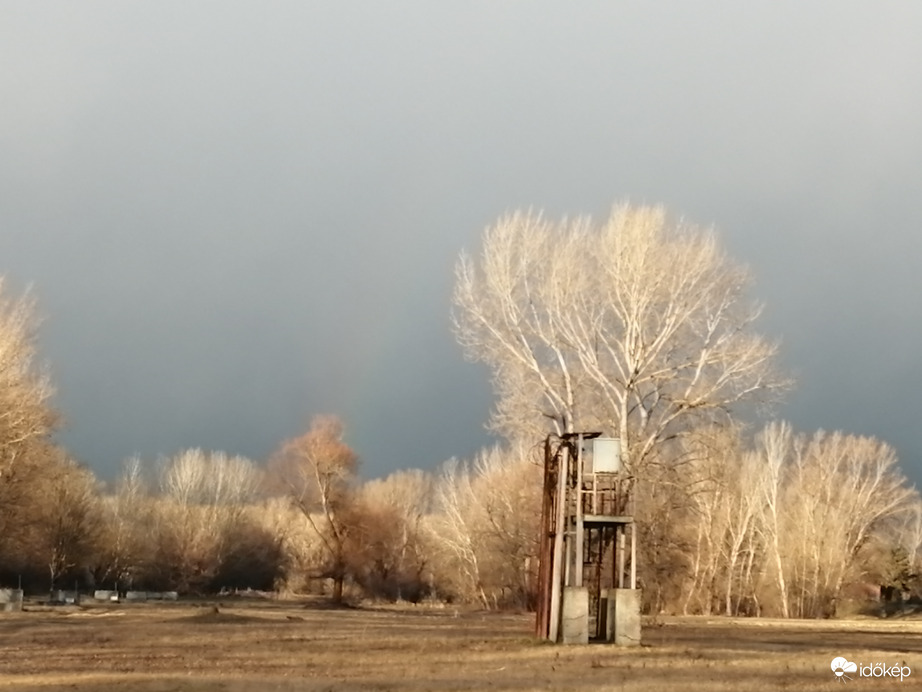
(587, 579)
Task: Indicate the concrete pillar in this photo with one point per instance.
(575, 615)
(624, 617)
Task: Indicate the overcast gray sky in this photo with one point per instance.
(238, 215)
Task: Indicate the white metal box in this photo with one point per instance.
(606, 455)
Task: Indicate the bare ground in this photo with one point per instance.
(286, 646)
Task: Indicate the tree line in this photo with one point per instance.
(639, 327)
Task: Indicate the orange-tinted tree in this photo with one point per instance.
(317, 471)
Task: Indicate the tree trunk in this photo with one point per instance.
(338, 589)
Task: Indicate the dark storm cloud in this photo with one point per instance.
(237, 215)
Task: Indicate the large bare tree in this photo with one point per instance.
(639, 325)
(25, 391)
(26, 419)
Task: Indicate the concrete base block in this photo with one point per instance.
(64, 597)
(575, 615)
(11, 600)
(623, 617)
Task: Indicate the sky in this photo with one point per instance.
(238, 215)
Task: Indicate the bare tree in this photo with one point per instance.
(55, 513)
(639, 326)
(724, 492)
(204, 497)
(317, 471)
(458, 528)
(125, 515)
(298, 541)
(741, 544)
(26, 419)
(775, 445)
(909, 535)
(211, 479)
(25, 391)
(489, 514)
(395, 542)
(508, 483)
(860, 486)
(823, 498)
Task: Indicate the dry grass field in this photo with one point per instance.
(295, 646)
